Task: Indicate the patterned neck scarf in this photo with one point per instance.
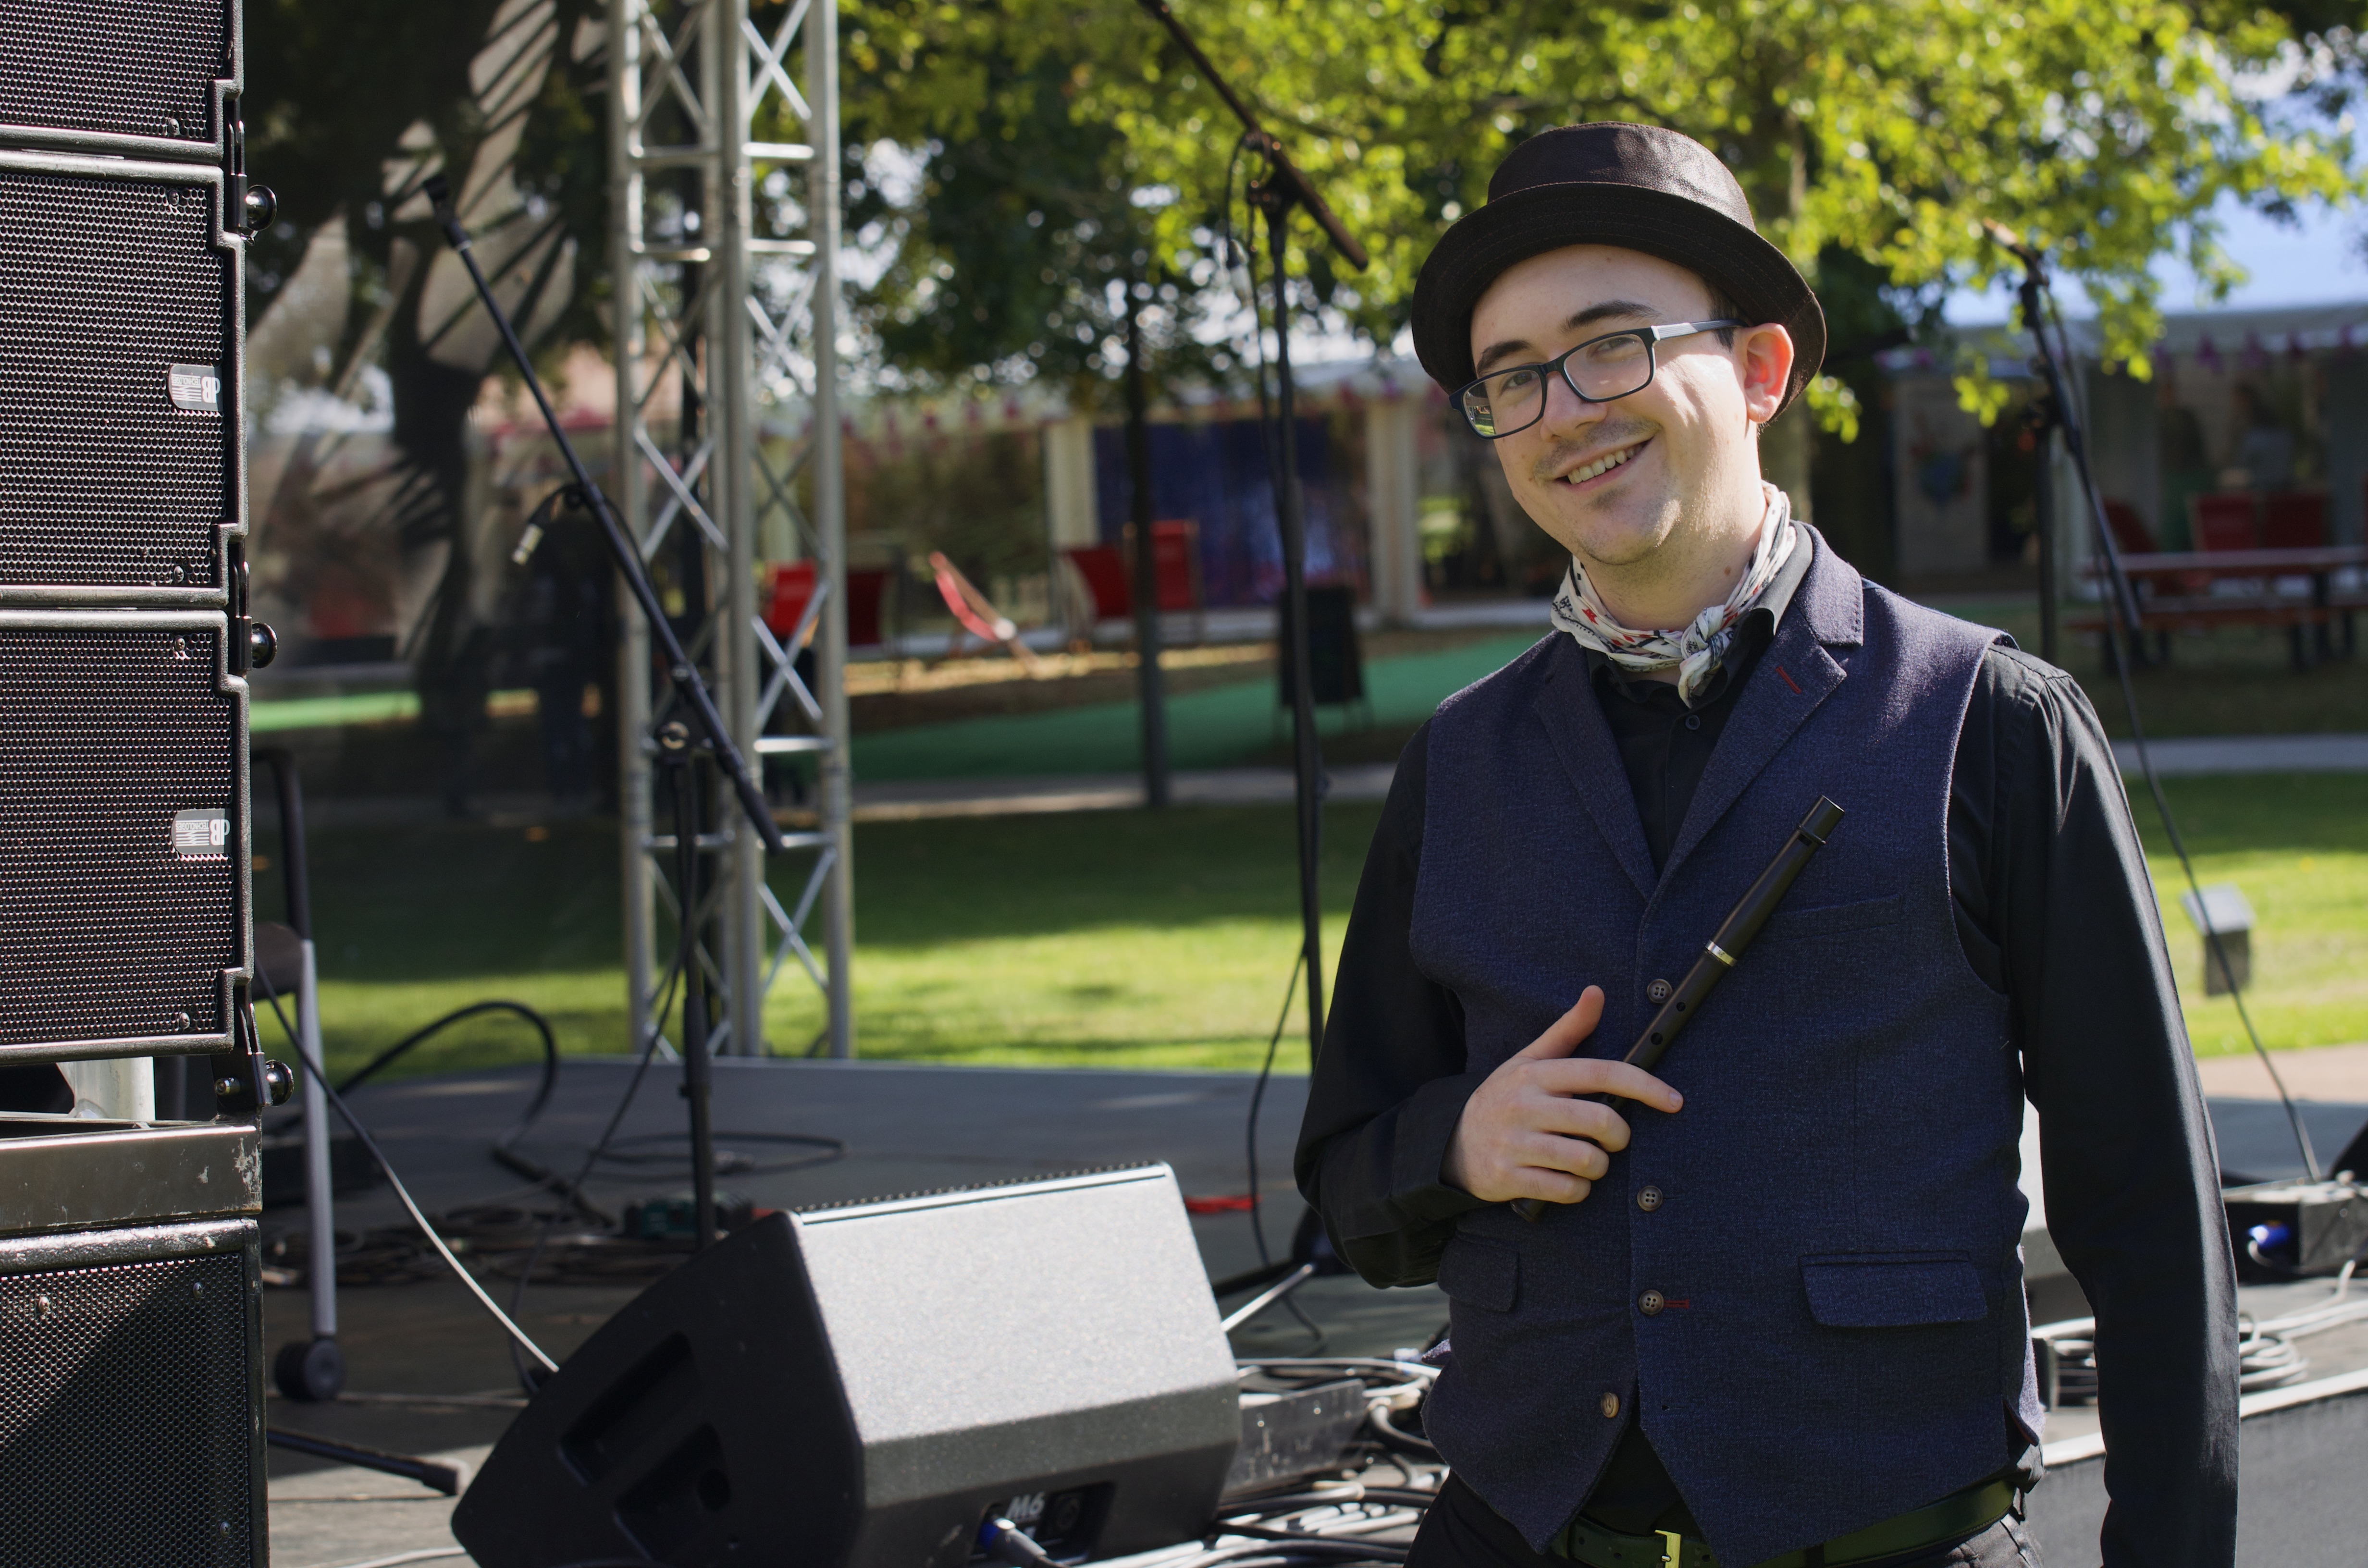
(1695, 650)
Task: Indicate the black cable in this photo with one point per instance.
(2121, 621)
(528, 1378)
(832, 1149)
(1258, 1096)
(542, 1026)
(1291, 1502)
(338, 1103)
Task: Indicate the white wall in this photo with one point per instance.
(1393, 506)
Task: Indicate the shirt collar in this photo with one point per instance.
(1757, 630)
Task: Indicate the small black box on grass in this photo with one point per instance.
(2283, 1228)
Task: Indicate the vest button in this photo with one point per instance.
(1694, 720)
(1649, 1198)
(1612, 1408)
(1658, 991)
(1651, 1303)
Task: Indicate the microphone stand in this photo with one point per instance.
(2051, 363)
(673, 739)
(1283, 187)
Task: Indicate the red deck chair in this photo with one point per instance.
(1104, 570)
(2293, 520)
(973, 614)
(789, 589)
(2131, 535)
(2225, 521)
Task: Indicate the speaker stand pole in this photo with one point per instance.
(681, 763)
(314, 1369)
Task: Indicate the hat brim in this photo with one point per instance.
(1731, 257)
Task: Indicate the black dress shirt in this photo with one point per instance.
(2055, 910)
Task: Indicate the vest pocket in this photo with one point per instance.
(1900, 1290)
(1833, 919)
(1478, 1273)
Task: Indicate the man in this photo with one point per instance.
(1772, 1311)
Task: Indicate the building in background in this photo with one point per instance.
(2244, 406)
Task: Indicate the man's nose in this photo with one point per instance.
(1566, 410)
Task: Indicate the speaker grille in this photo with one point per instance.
(105, 285)
(124, 1415)
(107, 930)
(144, 69)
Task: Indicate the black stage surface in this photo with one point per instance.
(907, 1128)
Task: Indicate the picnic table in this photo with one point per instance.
(2177, 590)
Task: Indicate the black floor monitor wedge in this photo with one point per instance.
(867, 1384)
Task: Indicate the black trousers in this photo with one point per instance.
(1462, 1531)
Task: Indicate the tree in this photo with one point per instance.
(1882, 130)
(348, 107)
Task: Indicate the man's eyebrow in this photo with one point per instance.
(1609, 310)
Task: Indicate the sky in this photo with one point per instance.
(2318, 262)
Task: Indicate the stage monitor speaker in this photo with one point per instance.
(130, 1346)
(123, 802)
(864, 1386)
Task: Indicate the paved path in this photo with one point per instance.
(2251, 753)
(2333, 1073)
(907, 800)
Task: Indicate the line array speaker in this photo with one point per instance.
(131, 1364)
(866, 1385)
(154, 78)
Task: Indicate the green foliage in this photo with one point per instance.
(1018, 229)
(1884, 129)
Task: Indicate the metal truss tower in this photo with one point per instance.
(726, 292)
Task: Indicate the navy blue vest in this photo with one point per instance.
(1837, 1242)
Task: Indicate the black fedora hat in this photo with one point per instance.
(1642, 188)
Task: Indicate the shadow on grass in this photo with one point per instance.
(451, 902)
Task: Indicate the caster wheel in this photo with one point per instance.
(310, 1371)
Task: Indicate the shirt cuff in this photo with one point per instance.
(1419, 1187)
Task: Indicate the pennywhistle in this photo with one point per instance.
(1723, 951)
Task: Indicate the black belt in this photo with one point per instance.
(1952, 1520)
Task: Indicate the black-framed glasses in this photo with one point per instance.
(1617, 365)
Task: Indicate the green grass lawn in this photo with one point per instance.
(2297, 845)
(1132, 940)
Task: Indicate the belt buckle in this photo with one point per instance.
(1673, 1549)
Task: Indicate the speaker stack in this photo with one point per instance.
(131, 1372)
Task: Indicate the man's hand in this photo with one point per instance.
(1525, 1133)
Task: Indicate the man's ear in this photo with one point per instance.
(1765, 355)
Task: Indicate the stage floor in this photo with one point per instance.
(907, 1128)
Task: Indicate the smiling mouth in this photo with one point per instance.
(1601, 465)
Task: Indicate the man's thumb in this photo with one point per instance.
(1569, 1032)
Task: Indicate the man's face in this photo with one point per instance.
(1682, 449)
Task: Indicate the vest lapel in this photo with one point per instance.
(1794, 676)
(1572, 716)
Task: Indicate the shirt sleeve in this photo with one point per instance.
(1389, 1084)
(2132, 1175)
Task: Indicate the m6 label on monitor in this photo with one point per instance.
(195, 389)
(201, 835)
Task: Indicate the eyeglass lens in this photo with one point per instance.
(1599, 371)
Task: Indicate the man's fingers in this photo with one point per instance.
(1549, 1152)
(1547, 1186)
(1589, 1075)
(1566, 1033)
(1563, 1118)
